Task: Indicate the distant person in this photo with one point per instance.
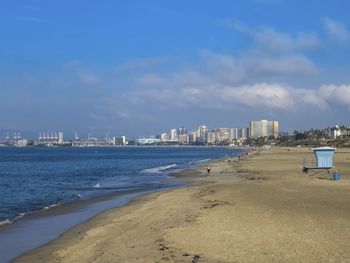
(229, 160)
(208, 170)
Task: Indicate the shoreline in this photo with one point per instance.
(8, 221)
(186, 178)
(119, 199)
(258, 209)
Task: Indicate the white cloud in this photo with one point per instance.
(336, 31)
(290, 65)
(270, 40)
(336, 94)
(88, 78)
(122, 114)
(144, 63)
(265, 96)
(252, 67)
(260, 95)
(73, 64)
(310, 99)
(150, 80)
(255, 80)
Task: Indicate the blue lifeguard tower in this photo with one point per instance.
(324, 160)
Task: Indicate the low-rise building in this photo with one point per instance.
(184, 139)
(340, 132)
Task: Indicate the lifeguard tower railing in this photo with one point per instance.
(323, 161)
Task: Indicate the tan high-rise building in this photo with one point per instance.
(263, 128)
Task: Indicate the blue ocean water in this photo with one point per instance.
(32, 179)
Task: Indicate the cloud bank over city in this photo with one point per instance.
(136, 81)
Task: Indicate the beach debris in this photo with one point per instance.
(257, 178)
(195, 259)
(205, 191)
(242, 171)
(214, 203)
(163, 247)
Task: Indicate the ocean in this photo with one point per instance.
(88, 181)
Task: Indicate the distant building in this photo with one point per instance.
(193, 137)
(163, 137)
(222, 134)
(147, 141)
(218, 135)
(60, 137)
(263, 128)
(238, 133)
(182, 130)
(184, 138)
(202, 133)
(173, 135)
(119, 140)
(211, 137)
(340, 132)
(22, 143)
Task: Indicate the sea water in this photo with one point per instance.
(33, 180)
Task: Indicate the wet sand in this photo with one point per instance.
(258, 209)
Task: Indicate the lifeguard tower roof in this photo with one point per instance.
(325, 148)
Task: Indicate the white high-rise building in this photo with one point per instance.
(238, 133)
(173, 135)
(202, 133)
(60, 137)
(164, 137)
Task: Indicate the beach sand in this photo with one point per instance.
(259, 209)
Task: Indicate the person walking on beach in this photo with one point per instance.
(208, 170)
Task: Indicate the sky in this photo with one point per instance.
(142, 67)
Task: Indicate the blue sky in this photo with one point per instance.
(143, 67)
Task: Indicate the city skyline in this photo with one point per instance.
(89, 133)
(138, 67)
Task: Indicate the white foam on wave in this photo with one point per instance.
(97, 185)
(159, 169)
(51, 206)
(20, 216)
(5, 222)
(23, 214)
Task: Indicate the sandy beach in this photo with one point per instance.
(258, 209)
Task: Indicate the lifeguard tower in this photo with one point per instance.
(323, 161)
